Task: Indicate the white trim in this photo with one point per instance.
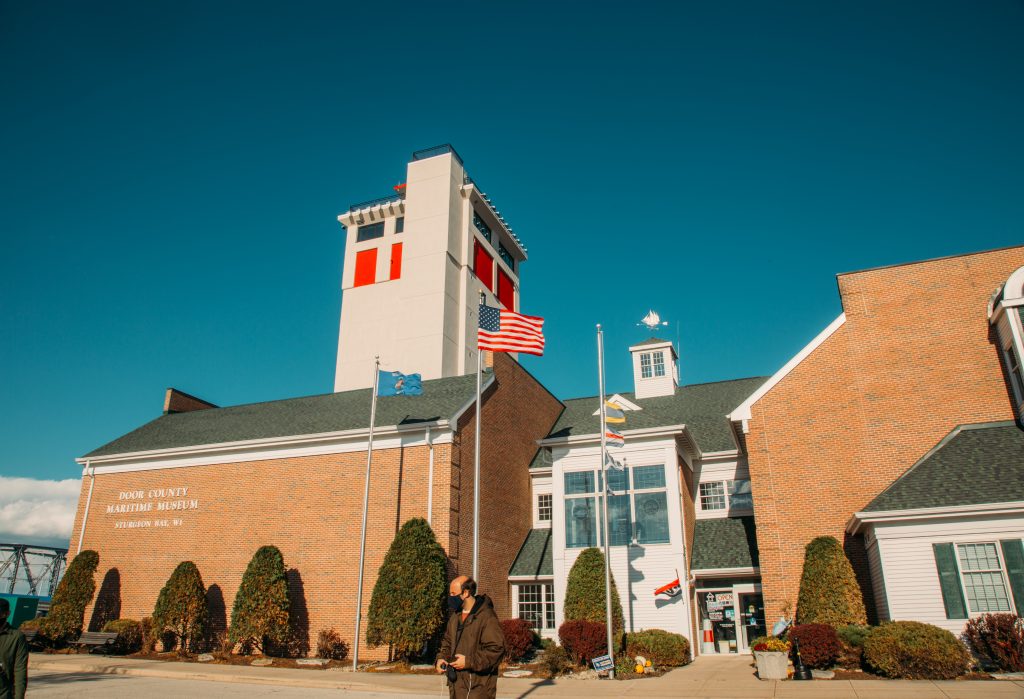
(595, 437)
(742, 411)
(626, 405)
(723, 572)
(531, 578)
(992, 508)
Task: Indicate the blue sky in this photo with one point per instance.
(172, 172)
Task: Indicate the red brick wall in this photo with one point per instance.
(913, 360)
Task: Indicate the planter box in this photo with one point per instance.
(772, 665)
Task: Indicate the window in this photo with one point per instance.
(396, 261)
(484, 229)
(982, 575)
(740, 497)
(544, 507)
(366, 267)
(1016, 375)
(506, 291)
(659, 363)
(645, 366)
(370, 232)
(639, 513)
(504, 254)
(537, 605)
(712, 496)
(400, 224)
(483, 265)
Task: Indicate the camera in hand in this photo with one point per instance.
(449, 671)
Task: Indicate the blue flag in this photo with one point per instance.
(395, 383)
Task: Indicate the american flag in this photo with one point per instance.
(505, 331)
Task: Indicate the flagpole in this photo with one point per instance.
(476, 452)
(366, 502)
(604, 500)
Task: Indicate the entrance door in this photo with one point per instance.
(750, 624)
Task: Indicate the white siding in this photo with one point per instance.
(911, 581)
(720, 468)
(877, 579)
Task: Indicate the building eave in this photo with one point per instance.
(723, 572)
(859, 519)
(576, 440)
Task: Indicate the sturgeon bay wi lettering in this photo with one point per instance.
(155, 500)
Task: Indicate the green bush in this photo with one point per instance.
(63, 624)
(181, 608)
(556, 661)
(917, 651)
(329, 645)
(129, 635)
(998, 639)
(407, 604)
(259, 616)
(149, 638)
(852, 637)
(662, 648)
(829, 593)
(585, 592)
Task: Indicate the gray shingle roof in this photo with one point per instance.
(701, 407)
(534, 557)
(650, 341)
(728, 542)
(972, 465)
(331, 412)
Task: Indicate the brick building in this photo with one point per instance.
(875, 396)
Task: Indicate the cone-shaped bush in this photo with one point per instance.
(260, 612)
(181, 607)
(74, 592)
(407, 604)
(829, 593)
(584, 592)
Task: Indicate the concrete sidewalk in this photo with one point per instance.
(707, 678)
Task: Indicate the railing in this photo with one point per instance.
(375, 202)
(437, 150)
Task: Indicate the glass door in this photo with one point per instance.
(751, 618)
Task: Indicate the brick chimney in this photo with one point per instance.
(176, 401)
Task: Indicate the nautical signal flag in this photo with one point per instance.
(613, 438)
(613, 413)
(505, 331)
(670, 590)
(395, 383)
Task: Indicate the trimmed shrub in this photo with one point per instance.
(998, 640)
(851, 638)
(916, 651)
(259, 615)
(74, 592)
(583, 640)
(556, 661)
(829, 593)
(819, 644)
(181, 609)
(662, 648)
(329, 645)
(407, 606)
(584, 592)
(129, 635)
(149, 638)
(519, 638)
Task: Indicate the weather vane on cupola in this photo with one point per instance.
(652, 321)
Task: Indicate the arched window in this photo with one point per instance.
(1006, 313)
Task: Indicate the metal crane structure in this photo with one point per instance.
(33, 565)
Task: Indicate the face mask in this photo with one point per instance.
(454, 603)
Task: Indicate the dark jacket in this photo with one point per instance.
(482, 641)
(14, 658)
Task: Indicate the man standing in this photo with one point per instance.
(473, 643)
(13, 657)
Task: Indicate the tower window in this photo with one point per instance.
(366, 267)
(659, 363)
(484, 229)
(645, 366)
(506, 291)
(400, 224)
(370, 232)
(504, 254)
(396, 261)
(483, 265)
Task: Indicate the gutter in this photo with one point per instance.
(856, 522)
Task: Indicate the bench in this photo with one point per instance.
(98, 639)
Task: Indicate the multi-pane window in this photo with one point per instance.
(370, 231)
(740, 496)
(504, 254)
(400, 224)
(982, 575)
(659, 363)
(712, 495)
(484, 229)
(637, 513)
(537, 605)
(645, 365)
(544, 507)
(1016, 375)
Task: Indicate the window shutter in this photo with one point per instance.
(949, 581)
(1013, 554)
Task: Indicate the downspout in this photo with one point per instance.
(430, 480)
(91, 470)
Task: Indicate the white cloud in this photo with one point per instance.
(34, 510)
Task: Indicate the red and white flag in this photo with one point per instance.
(670, 590)
(505, 331)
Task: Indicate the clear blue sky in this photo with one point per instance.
(172, 172)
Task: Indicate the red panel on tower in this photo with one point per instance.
(483, 265)
(366, 267)
(506, 291)
(396, 261)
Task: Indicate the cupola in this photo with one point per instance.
(655, 371)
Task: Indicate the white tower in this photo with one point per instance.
(415, 263)
(655, 369)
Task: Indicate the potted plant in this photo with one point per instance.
(772, 656)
